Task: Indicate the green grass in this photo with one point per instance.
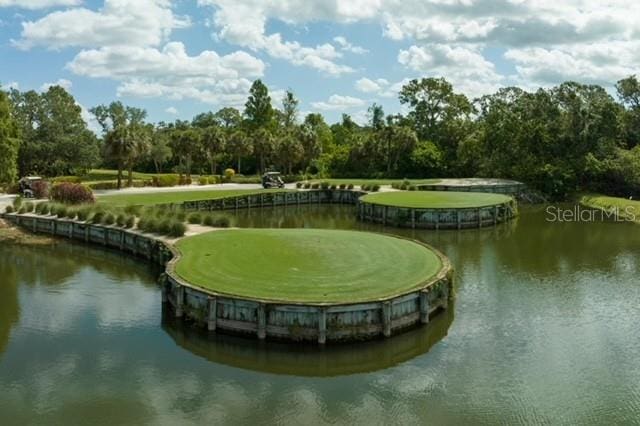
(305, 265)
(626, 208)
(151, 198)
(359, 182)
(435, 199)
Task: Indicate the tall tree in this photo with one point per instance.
(438, 113)
(9, 141)
(159, 150)
(258, 109)
(629, 93)
(125, 134)
(56, 139)
(185, 144)
(289, 109)
(228, 117)
(376, 117)
(289, 151)
(263, 146)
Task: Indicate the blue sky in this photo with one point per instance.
(179, 58)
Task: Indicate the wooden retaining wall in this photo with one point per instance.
(506, 188)
(405, 217)
(290, 321)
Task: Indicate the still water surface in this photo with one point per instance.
(544, 330)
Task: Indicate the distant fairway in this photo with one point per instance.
(435, 199)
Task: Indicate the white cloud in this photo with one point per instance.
(119, 22)
(345, 45)
(466, 68)
(338, 103)
(38, 4)
(243, 23)
(171, 72)
(171, 111)
(64, 83)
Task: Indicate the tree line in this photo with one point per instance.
(560, 140)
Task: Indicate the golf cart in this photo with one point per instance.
(25, 185)
(272, 180)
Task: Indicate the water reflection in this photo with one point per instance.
(308, 359)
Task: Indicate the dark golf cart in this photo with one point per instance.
(272, 180)
(25, 185)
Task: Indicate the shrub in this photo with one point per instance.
(121, 219)
(59, 210)
(350, 186)
(71, 193)
(315, 185)
(9, 209)
(207, 220)
(403, 186)
(203, 180)
(149, 225)
(17, 202)
(212, 180)
(40, 189)
(22, 210)
(375, 188)
(134, 210)
(109, 219)
(324, 185)
(28, 206)
(229, 174)
(129, 222)
(298, 185)
(103, 185)
(180, 215)
(71, 213)
(194, 218)
(221, 221)
(39, 207)
(164, 226)
(45, 208)
(343, 186)
(97, 217)
(333, 187)
(364, 187)
(83, 213)
(412, 188)
(177, 229)
(165, 180)
(307, 185)
(185, 180)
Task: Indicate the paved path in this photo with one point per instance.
(5, 200)
(185, 188)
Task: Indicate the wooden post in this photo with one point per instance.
(413, 219)
(163, 291)
(105, 236)
(122, 234)
(179, 301)
(386, 318)
(437, 219)
(35, 225)
(135, 245)
(86, 233)
(445, 296)
(479, 217)
(384, 215)
(213, 313)
(322, 325)
(71, 229)
(262, 321)
(54, 225)
(459, 219)
(424, 307)
(495, 215)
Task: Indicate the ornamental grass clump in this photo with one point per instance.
(343, 186)
(315, 185)
(129, 222)
(350, 186)
(39, 207)
(164, 226)
(194, 218)
(29, 206)
(121, 218)
(178, 229)
(375, 188)
(307, 185)
(17, 202)
(22, 210)
(59, 210)
(71, 213)
(9, 209)
(108, 219)
(299, 185)
(324, 185)
(97, 217)
(83, 213)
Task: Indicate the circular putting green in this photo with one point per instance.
(435, 199)
(306, 265)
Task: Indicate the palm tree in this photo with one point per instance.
(240, 146)
(263, 144)
(213, 141)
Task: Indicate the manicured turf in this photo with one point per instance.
(305, 265)
(152, 198)
(435, 199)
(359, 182)
(624, 207)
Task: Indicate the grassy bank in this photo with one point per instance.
(628, 209)
(305, 265)
(174, 196)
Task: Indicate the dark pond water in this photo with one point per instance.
(544, 330)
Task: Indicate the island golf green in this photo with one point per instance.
(306, 265)
(435, 199)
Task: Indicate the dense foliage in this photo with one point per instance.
(558, 140)
(71, 193)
